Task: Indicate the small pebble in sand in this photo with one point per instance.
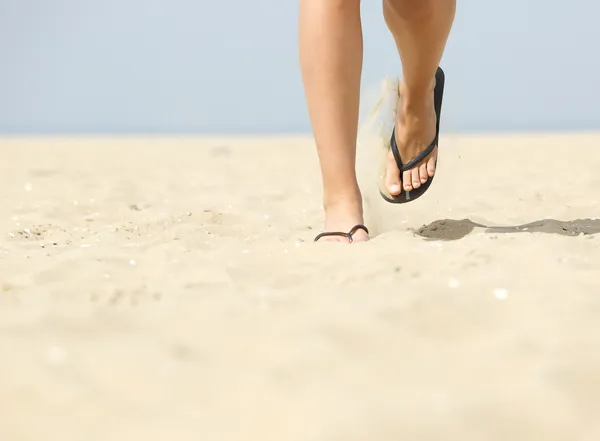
(453, 283)
(132, 262)
(56, 355)
(501, 293)
(28, 187)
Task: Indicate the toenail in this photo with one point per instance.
(394, 187)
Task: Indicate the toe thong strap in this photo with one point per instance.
(413, 162)
(349, 235)
(355, 228)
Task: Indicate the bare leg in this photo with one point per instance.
(330, 46)
(420, 29)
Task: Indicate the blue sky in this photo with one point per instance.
(198, 66)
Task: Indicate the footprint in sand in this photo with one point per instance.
(451, 229)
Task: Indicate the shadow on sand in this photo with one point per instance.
(451, 229)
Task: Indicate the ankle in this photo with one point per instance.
(343, 201)
(416, 96)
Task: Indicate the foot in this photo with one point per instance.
(415, 129)
(341, 215)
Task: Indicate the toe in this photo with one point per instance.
(423, 173)
(415, 178)
(431, 164)
(407, 180)
(360, 236)
(392, 177)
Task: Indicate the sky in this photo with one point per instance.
(199, 66)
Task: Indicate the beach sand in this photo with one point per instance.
(167, 288)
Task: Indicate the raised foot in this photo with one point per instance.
(414, 131)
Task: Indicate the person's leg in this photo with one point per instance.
(330, 48)
(420, 29)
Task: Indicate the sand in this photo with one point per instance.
(168, 289)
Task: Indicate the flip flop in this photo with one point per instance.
(349, 235)
(408, 196)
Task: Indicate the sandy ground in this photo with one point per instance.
(167, 289)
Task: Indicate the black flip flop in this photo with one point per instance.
(349, 235)
(408, 196)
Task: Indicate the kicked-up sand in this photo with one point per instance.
(168, 289)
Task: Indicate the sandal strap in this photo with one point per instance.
(349, 235)
(413, 162)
